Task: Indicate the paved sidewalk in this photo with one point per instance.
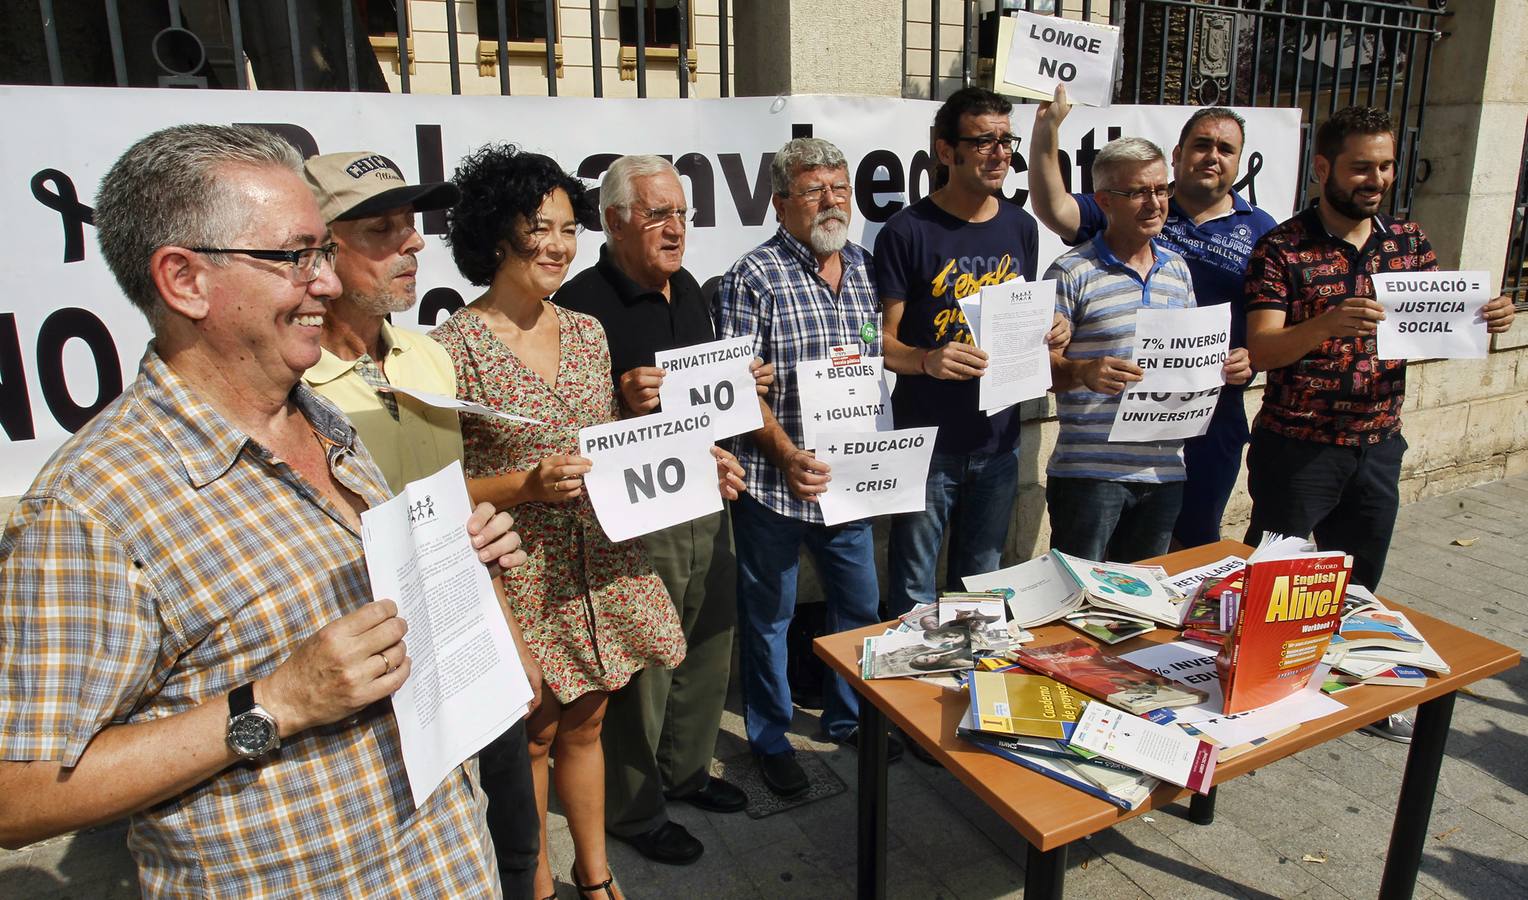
(1334, 802)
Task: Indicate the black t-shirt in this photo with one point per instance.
(638, 322)
(930, 260)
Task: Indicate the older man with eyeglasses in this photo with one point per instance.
(930, 256)
(660, 730)
(1116, 501)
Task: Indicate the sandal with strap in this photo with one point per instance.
(583, 889)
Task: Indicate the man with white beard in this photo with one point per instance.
(806, 294)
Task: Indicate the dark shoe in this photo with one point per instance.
(717, 796)
(669, 844)
(783, 775)
(602, 887)
(921, 754)
(1395, 727)
(893, 744)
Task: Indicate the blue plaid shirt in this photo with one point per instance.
(775, 293)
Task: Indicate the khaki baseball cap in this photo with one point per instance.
(361, 184)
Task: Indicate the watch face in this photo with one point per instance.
(250, 734)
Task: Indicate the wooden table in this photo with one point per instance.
(1051, 815)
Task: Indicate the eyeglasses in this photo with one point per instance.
(1161, 192)
(815, 193)
(657, 218)
(986, 144)
(307, 263)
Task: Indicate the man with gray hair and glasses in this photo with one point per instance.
(805, 294)
(660, 730)
(1116, 501)
(185, 631)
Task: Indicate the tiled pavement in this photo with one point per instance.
(1333, 803)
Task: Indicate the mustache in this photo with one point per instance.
(836, 215)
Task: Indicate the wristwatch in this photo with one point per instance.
(251, 730)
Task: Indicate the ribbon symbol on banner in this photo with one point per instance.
(71, 211)
(1248, 185)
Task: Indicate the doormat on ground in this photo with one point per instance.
(743, 772)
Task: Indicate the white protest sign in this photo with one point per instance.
(1432, 315)
(1045, 51)
(1162, 415)
(466, 685)
(650, 472)
(1182, 349)
(874, 473)
(1013, 318)
(846, 394)
(441, 401)
(714, 377)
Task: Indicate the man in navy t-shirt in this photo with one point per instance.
(1214, 230)
(931, 255)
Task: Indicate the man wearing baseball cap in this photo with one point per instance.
(370, 210)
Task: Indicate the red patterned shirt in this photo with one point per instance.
(1340, 392)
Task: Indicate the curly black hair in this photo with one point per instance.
(501, 187)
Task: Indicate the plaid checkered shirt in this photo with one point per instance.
(775, 293)
(163, 558)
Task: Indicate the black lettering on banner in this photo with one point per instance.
(15, 406)
(801, 130)
(72, 214)
(436, 301)
(591, 169)
(432, 167)
(867, 184)
(920, 175)
(1247, 187)
(296, 135)
(1019, 165)
(58, 330)
(1089, 152)
(697, 168)
(752, 202)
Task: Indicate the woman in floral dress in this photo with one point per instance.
(593, 613)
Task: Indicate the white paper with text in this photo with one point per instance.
(843, 395)
(650, 472)
(1012, 321)
(1432, 315)
(874, 473)
(467, 685)
(716, 378)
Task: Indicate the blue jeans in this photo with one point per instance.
(768, 556)
(976, 490)
(1117, 521)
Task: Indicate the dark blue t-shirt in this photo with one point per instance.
(930, 260)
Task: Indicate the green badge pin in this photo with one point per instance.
(867, 332)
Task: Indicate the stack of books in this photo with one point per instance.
(1378, 645)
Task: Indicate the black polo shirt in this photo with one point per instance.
(638, 322)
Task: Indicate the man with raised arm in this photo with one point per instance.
(1214, 229)
(185, 631)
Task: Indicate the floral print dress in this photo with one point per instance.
(593, 613)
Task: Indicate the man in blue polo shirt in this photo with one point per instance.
(1214, 230)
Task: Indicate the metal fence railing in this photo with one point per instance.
(1514, 281)
(340, 46)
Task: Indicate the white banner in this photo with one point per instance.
(714, 377)
(69, 340)
(650, 472)
(874, 473)
(1433, 315)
